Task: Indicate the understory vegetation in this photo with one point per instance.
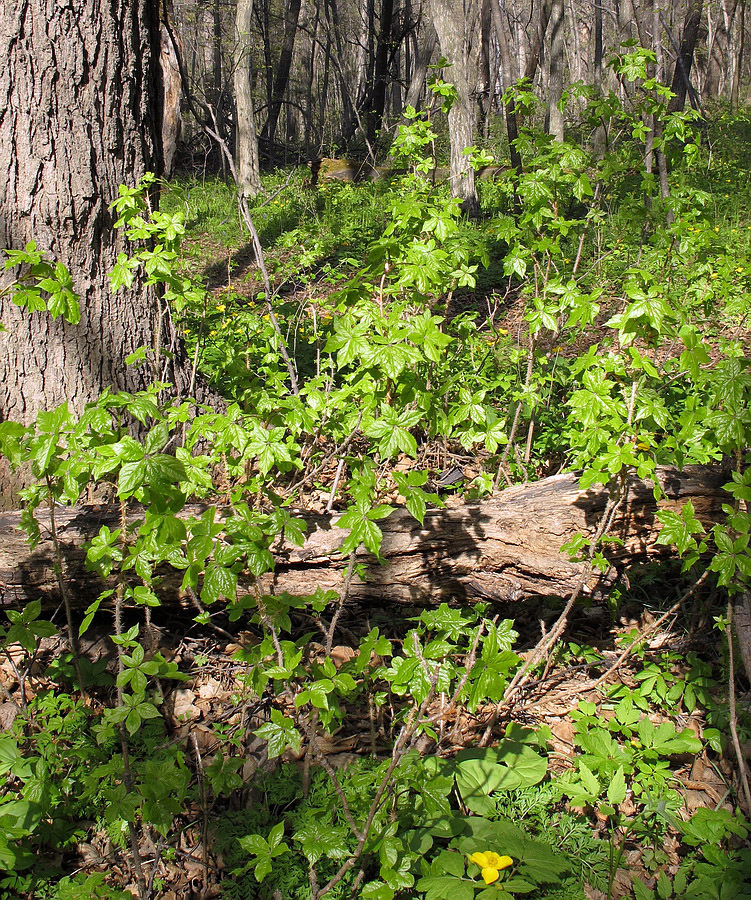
(247, 744)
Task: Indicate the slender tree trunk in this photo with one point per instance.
(738, 64)
(380, 71)
(512, 120)
(597, 55)
(484, 87)
(246, 140)
(455, 25)
(291, 18)
(538, 40)
(171, 117)
(557, 64)
(682, 73)
(215, 94)
(80, 114)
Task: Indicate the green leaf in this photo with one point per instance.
(279, 734)
(131, 477)
(319, 838)
(482, 772)
(218, 582)
(445, 887)
(617, 787)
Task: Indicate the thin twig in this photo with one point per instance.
(653, 627)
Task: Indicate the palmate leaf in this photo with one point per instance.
(318, 838)
(279, 734)
(361, 520)
(350, 340)
(391, 431)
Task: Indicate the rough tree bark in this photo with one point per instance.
(423, 56)
(455, 24)
(505, 548)
(80, 113)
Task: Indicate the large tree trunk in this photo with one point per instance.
(80, 114)
(423, 56)
(455, 25)
(503, 549)
(246, 141)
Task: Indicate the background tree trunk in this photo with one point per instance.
(377, 104)
(555, 121)
(455, 25)
(682, 72)
(80, 113)
(246, 140)
(291, 17)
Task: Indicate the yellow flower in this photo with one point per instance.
(490, 864)
(220, 307)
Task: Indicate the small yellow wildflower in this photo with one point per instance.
(713, 275)
(739, 269)
(490, 865)
(717, 228)
(220, 307)
(503, 331)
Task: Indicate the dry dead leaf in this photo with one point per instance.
(183, 705)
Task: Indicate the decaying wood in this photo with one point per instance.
(504, 548)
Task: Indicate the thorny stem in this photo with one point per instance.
(468, 664)
(517, 414)
(733, 715)
(127, 776)
(310, 732)
(337, 451)
(342, 601)
(63, 588)
(204, 809)
(258, 250)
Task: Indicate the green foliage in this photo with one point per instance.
(40, 286)
(389, 381)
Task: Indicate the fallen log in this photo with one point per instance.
(503, 548)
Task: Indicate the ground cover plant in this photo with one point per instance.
(270, 745)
